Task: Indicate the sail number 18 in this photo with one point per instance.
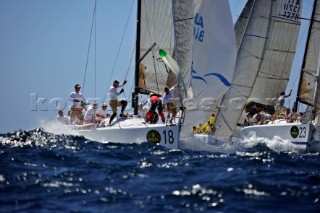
(168, 136)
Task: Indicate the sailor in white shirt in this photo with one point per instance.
(167, 101)
(103, 114)
(113, 99)
(168, 94)
(62, 118)
(90, 116)
(103, 111)
(142, 110)
(77, 100)
(280, 109)
(281, 100)
(76, 97)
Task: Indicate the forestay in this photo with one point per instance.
(264, 59)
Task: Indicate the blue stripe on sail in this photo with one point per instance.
(222, 79)
(199, 78)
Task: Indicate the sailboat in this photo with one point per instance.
(213, 62)
(156, 28)
(262, 72)
(183, 29)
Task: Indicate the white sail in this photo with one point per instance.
(316, 103)
(309, 87)
(214, 49)
(264, 59)
(280, 49)
(214, 54)
(183, 18)
(311, 59)
(169, 24)
(242, 22)
(156, 26)
(239, 28)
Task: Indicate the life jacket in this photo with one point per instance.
(212, 120)
(200, 129)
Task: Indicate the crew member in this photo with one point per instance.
(168, 102)
(113, 100)
(155, 103)
(77, 102)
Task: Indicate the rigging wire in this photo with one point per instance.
(92, 24)
(115, 62)
(155, 70)
(132, 54)
(95, 54)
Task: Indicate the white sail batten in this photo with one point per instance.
(156, 27)
(269, 40)
(311, 59)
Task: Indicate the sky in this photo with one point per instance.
(43, 54)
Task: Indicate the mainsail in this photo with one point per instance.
(156, 26)
(311, 59)
(264, 59)
(166, 25)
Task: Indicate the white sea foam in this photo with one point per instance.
(208, 143)
(58, 128)
(224, 145)
(276, 143)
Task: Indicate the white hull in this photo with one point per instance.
(135, 130)
(299, 135)
(208, 139)
(204, 138)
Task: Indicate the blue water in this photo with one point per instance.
(42, 172)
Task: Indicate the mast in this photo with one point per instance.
(298, 99)
(135, 95)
